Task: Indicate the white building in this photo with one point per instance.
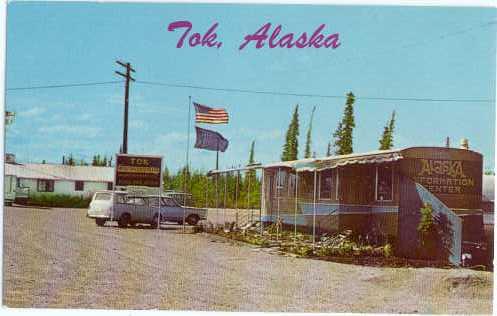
(61, 179)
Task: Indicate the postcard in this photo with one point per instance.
(249, 157)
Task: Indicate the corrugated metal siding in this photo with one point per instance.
(413, 197)
(61, 172)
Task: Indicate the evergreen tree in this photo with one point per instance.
(290, 149)
(328, 150)
(343, 136)
(70, 160)
(386, 141)
(251, 154)
(308, 139)
(337, 135)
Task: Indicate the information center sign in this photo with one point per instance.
(138, 170)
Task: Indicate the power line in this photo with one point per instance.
(310, 95)
(85, 84)
(173, 85)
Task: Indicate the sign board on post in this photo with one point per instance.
(138, 170)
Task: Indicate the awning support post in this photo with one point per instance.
(278, 205)
(296, 205)
(236, 196)
(314, 211)
(248, 195)
(224, 198)
(263, 203)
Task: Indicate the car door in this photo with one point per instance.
(141, 211)
(171, 209)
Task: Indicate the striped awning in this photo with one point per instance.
(373, 158)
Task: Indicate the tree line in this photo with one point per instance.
(341, 142)
(97, 161)
(233, 190)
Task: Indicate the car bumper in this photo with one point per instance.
(94, 214)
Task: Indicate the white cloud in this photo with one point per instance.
(34, 111)
(88, 131)
(137, 124)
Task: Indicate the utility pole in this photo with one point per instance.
(128, 77)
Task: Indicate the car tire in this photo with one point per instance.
(192, 220)
(100, 221)
(153, 224)
(124, 220)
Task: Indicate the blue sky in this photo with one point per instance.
(391, 52)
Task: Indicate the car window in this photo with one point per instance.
(153, 201)
(136, 201)
(102, 197)
(120, 198)
(169, 202)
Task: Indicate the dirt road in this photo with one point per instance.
(60, 258)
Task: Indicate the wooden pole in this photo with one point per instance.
(128, 78)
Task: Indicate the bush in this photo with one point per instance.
(58, 200)
(387, 250)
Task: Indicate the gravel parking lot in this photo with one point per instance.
(60, 258)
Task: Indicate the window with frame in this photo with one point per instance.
(45, 185)
(325, 184)
(280, 179)
(79, 185)
(384, 183)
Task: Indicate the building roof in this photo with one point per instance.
(60, 172)
(311, 164)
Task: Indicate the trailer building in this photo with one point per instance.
(380, 191)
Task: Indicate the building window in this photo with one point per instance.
(384, 183)
(109, 186)
(280, 179)
(325, 184)
(45, 185)
(79, 186)
(291, 185)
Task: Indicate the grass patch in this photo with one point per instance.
(58, 200)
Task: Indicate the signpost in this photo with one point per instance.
(139, 170)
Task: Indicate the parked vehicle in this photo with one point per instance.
(129, 209)
(173, 211)
(9, 189)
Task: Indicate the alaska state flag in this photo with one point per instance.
(210, 140)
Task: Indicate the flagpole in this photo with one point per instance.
(217, 155)
(187, 159)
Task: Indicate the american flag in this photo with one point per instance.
(205, 114)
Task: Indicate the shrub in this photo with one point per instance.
(427, 230)
(387, 250)
(58, 200)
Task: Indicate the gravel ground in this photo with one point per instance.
(60, 258)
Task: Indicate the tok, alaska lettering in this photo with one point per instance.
(316, 40)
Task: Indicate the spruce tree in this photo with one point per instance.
(308, 140)
(251, 154)
(328, 150)
(337, 139)
(71, 161)
(386, 141)
(290, 149)
(343, 135)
